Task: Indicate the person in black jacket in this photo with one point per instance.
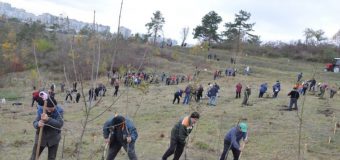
(179, 133)
(294, 96)
(52, 121)
(177, 95)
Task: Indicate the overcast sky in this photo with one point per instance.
(283, 20)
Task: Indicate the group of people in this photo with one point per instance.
(119, 132)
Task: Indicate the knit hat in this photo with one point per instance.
(51, 102)
(118, 120)
(243, 127)
(195, 115)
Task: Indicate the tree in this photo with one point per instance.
(308, 33)
(336, 38)
(313, 36)
(240, 30)
(319, 36)
(207, 31)
(155, 25)
(184, 33)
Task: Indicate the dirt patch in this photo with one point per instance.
(327, 112)
(18, 143)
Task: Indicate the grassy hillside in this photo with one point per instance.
(273, 133)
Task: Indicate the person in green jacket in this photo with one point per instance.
(179, 133)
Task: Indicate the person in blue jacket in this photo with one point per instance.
(232, 140)
(52, 121)
(276, 89)
(263, 89)
(120, 132)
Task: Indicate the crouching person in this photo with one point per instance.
(51, 121)
(120, 132)
(232, 141)
(179, 133)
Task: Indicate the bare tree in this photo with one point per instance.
(184, 34)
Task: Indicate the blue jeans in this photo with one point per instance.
(186, 99)
(212, 100)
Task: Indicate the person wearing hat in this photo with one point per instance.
(52, 121)
(294, 96)
(120, 132)
(232, 140)
(179, 133)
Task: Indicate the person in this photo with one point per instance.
(62, 87)
(276, 89)
(52, 121)
(247, 70)
(116, 84)
(332, 92)
(177, 95)
(312, 85)
(299, 77)
(120, 132)
(232, 141)
(247, 92)
(238, 90)
(77, 97)
(323, 87)
(179, 133)
(75, 86)
(263, 89)
(304, 88)
(212, 94)
(187, 94)
(294, 96)
(35, 95)
(199, 93)
(92, 94)
(68, 94)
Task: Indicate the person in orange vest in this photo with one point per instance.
(179, 133)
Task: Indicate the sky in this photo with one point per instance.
(283, 20)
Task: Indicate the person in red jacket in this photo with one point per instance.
(238, 90)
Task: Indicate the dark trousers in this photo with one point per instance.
(304, 91)
(68, 95)
(238, 94)
(226, 148)
(77, 97)
(52, 151)
(293, 101)
(116, 91)
(275, 94)
(261, 94)
(176, 97)
(198, 97)
(115, 148)
(175, 147)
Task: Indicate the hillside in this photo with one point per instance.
(273, 133)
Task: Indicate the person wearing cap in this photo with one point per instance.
(179, 133)
(294, 96)
(52, 121)
(232, 141)
(120, 132)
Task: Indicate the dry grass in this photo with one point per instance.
(273, 134)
